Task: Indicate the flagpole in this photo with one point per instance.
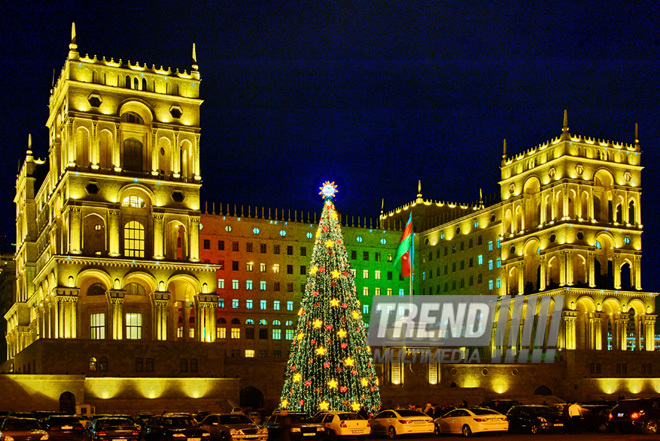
(412, 263)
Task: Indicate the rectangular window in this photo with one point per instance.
(289, 287)
(471, 263)
(462, 264)
(249, 353)
(470, 243)
(499, 262)
(276, 305)
(249, 266)
(248, 304)
(365, 255)
(480, 259)
(149, 365)
(262, 285)
(490, 245)
(289, 269)
(221, 245)
(221, 333)
(490, 284)
(276, 286)
(389, 291)
(303, 251)
(221, 264)
(353, 273)
(377, 257)
(262, 304)
(183, 365)
(490, 264)
(234, 303)
(248, 247)
(377, 274)
(249, 333)
(234, 284)
(289, 305)
(133, 326)
(402, 291)
(365, 291)
(262, 267)
(193, 365)
(277, 334)
(134, 239)
(453, 267)
(479, 240)
(262, 248)
(288, 334)
(499, 283)
(234, 265)
(446, 269)
(389, 275)
(499, 244)
(139, 365)
(276, 268)
(235, 333)
(462, 283)
(353, 254)
(277, 353)
(289, 250)
(377, 292)
(303, 270)
(263, 334)
(430, 256)
(276, 249)
(462, 245)
(445, 251)
(365, 274)
(207, 244)
(234, 246)
(221, 283)
(365, 309)
(479, 278)
(471, 280)
(221, 303)
(235, 352)
(97, 326)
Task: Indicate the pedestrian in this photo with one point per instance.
(575, 415)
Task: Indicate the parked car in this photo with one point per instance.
(339, 424)
(636, 415)
(596, 416)
(501, 406)
(20, 429)
(64, 427)
(534, 419)
(174, 427)
(142, 418)
(255, 417)
(233, 427)
(111, 428)
(469, 421)
(299, 424)
(395, 422)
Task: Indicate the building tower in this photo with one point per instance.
(108, 229)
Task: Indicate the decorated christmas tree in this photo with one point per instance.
(330, 366)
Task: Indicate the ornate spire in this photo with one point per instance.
(28, 154)
(504, 150)
(419, 191)
(564, 129)
(195, 67)
(73, 46)
(481, 198)
(636, 135)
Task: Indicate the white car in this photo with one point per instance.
(469, 421)
(339, 423)
(395, 422)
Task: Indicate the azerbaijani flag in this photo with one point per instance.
(404, 250)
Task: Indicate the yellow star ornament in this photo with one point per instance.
(297, 378)
(324, 405)
(335, 274)
(285, 403)
(332, 384)
(321, 350)
(317, 324)
(364, 382)
(329, 244)
(334, 302)
(355, 406)
(349, 362)
(342, 333)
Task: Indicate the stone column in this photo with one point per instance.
(155, 153)
(196, 170)
(544, 271)
(648, 321)
(638, 333)
(590, 204)
(637, 264)
(94, 142)
(116, 149)
(114, 215)
(591, 268)
(598, 318)
(568, 319)
(569, 267)
(206, 304)
(160, 300)
(116, 308)
(616, 269)
(562, 268)
(176, 163)
(71, 140)
(159, 252)
(564, 195)
(521, 278)
(621, 326)
(553, 205)
(193, 239)
(75, 229)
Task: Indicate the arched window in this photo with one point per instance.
(289, 323)
(221, 321)
(128, 82)
(235, 321)
(631, 213)
(132, 117)
(134, 239)
(133, 155)
(135, 289)
(133, 202)
(92, 364)
(263, 322)
(191, 326)
(136, 84)
(249, 322)
(103, 364)
(96, 289)
(276, 323)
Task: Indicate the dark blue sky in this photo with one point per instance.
(372, 95)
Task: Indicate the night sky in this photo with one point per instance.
(371, 95)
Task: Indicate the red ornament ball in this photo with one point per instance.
(312, 342)
(343, 389)
(326, 365)
(344, 345)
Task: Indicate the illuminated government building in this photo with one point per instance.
(133, 294)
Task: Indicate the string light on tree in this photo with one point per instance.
(330, 366)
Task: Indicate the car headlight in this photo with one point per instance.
(205, 434)
(8, 438)
(320, 429)
(295, 429)
(263, 430)
(178, 435)
(233, 432)
(44, 437)
(543, 420)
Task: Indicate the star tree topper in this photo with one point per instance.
(328, 190)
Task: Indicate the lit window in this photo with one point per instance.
(598, 245)
(133, 326)
(249, 266)
(133, 202)
(490, 245)
(365, 274)
(289, 306)
(276, 268)
(262, 285)
(365, 309)
(359, 239)
(377, 291)
(282, 233)
(490, 284)
(277, 334)
(276, 305)
(383, 241)
(389, 291)
(234, 303)
(490, 264)
(499, 283)
(97, 326)
(402, 291)
(221, 303)
(262, 267)
(480, 259)
(262, 304)
(248, 304)
(248, 285)
(365, 291)
(249, 353)
(235, 333)
(499, 243)
(353, 272)
(221, 333)
(135, 290)
(499, 262)
(309, 235)
(626, 240)
(288, 335)
(134, 239)
(221, 283)
(377, 274)
(234, 284)
(476, 224)
(255, 230)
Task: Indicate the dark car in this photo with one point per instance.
(142, 418)
(534, 419)
(636, 415)
(64, 427)
(596, 416)
(22, 429)
(502, 406)
(299, 425)
(174, 427)
(111, 428)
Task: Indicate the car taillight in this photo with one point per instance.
(102, 433)
(610, 416)
(480, 420)
(54, 428)
(368, 425)
(78, 428)
(135, 432)
(343, 424)
(404, 421)
(634, 415)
